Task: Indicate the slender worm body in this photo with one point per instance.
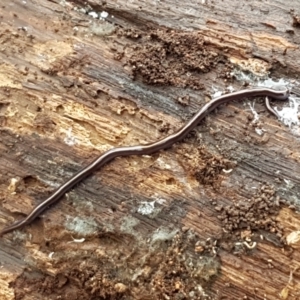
(148, 148)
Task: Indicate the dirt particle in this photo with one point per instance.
(206, 167)
(256, 214)
(169, 57)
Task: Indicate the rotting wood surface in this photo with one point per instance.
(172, 225)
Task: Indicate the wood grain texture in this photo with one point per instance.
(172, 225)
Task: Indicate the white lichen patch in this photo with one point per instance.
(79, 204)
(81, 226)
(270, 83)
(289, 114)
(70, 139)
(128, 224)
(102, 28)
(216, 92)
(202, 267)
(163, 234)
(146, 208)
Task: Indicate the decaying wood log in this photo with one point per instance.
(214, 217)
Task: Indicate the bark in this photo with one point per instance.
(213, 217)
